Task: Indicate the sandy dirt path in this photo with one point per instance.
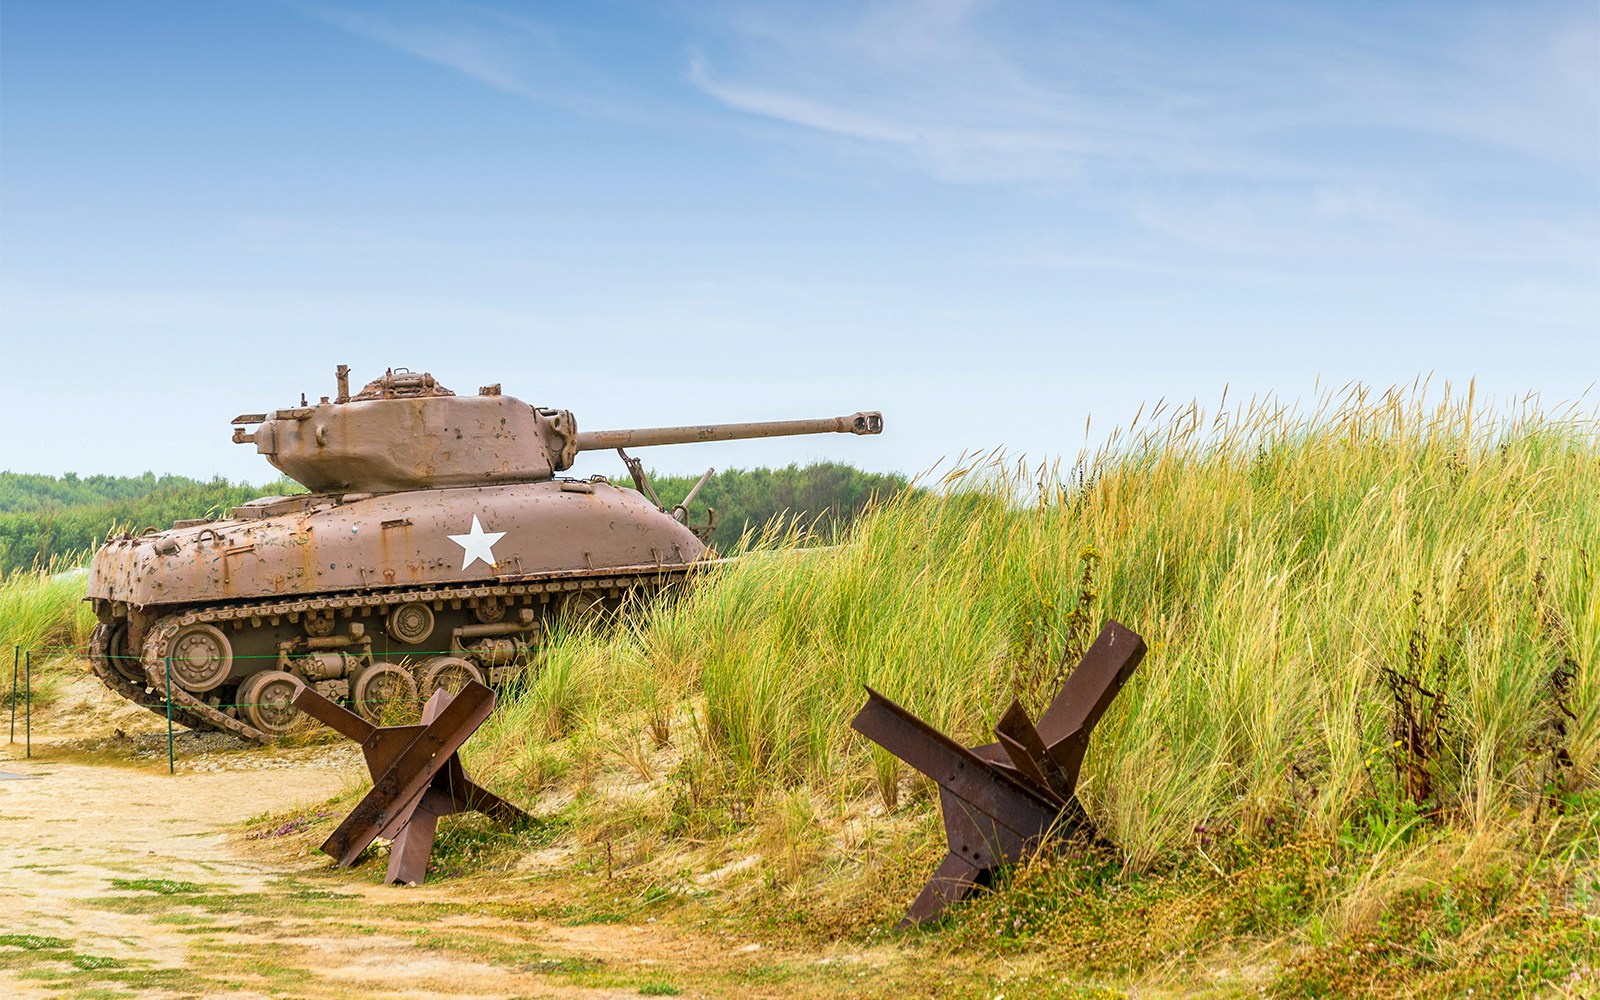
(72, 829)
(120, 880)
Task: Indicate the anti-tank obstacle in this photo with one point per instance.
(416, 779)
(1006, 801)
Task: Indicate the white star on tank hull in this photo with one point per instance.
(477, 544)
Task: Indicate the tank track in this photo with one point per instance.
(144, 697)
(196, 714)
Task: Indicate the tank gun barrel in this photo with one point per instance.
(639, 437)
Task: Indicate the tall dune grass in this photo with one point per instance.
(43, 610)
(1299, 578)
(1370, 707)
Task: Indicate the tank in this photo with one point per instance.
(437, 544)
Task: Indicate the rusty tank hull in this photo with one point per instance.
(437, 547)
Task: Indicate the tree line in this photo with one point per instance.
(46, 520)
(822, 497)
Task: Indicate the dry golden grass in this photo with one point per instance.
(1374, 629)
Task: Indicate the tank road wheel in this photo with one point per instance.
(107, 642)
(378, 687)
(267, 701)
(201, 657)
(411, 623)
(449, 674)
(584, 606)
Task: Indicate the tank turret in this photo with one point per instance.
(405, 431)
(435, 547)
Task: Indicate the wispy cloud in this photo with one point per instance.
(506, 50)
(472, 50)
(799, 110)
(1253, 130)
(944, 79)
(1270, 130)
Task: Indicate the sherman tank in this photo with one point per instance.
(437, 544)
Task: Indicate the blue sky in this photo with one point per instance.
(988, 220)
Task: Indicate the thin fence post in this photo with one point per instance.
(16, 655)
(27, 694)
(172, 766)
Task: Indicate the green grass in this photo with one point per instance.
(159, 886)
(42, 612)
(1364, 748)
(32, 942)
(1275, 568)
(1375, 628)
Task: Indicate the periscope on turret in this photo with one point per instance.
(435, 546)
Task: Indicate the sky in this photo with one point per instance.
(1001, 224)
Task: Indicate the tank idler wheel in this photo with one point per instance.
(411, 623)
(267, 701)
(449, 674)
(378, 687)
(122, 661)
(201, 657)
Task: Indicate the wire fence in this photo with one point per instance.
(371, 708)
(27, 698)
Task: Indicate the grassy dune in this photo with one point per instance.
(1375, 637)
(1364, 749)
(1296, 580)
(42, 611)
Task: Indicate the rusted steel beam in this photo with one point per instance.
(1087, 692)
(979, 785)
(398, 787)
(417, 778)
(1023, 744)
(334, 716)
(1004, 801)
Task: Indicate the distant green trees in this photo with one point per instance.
(46, 518)
(826, 495)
